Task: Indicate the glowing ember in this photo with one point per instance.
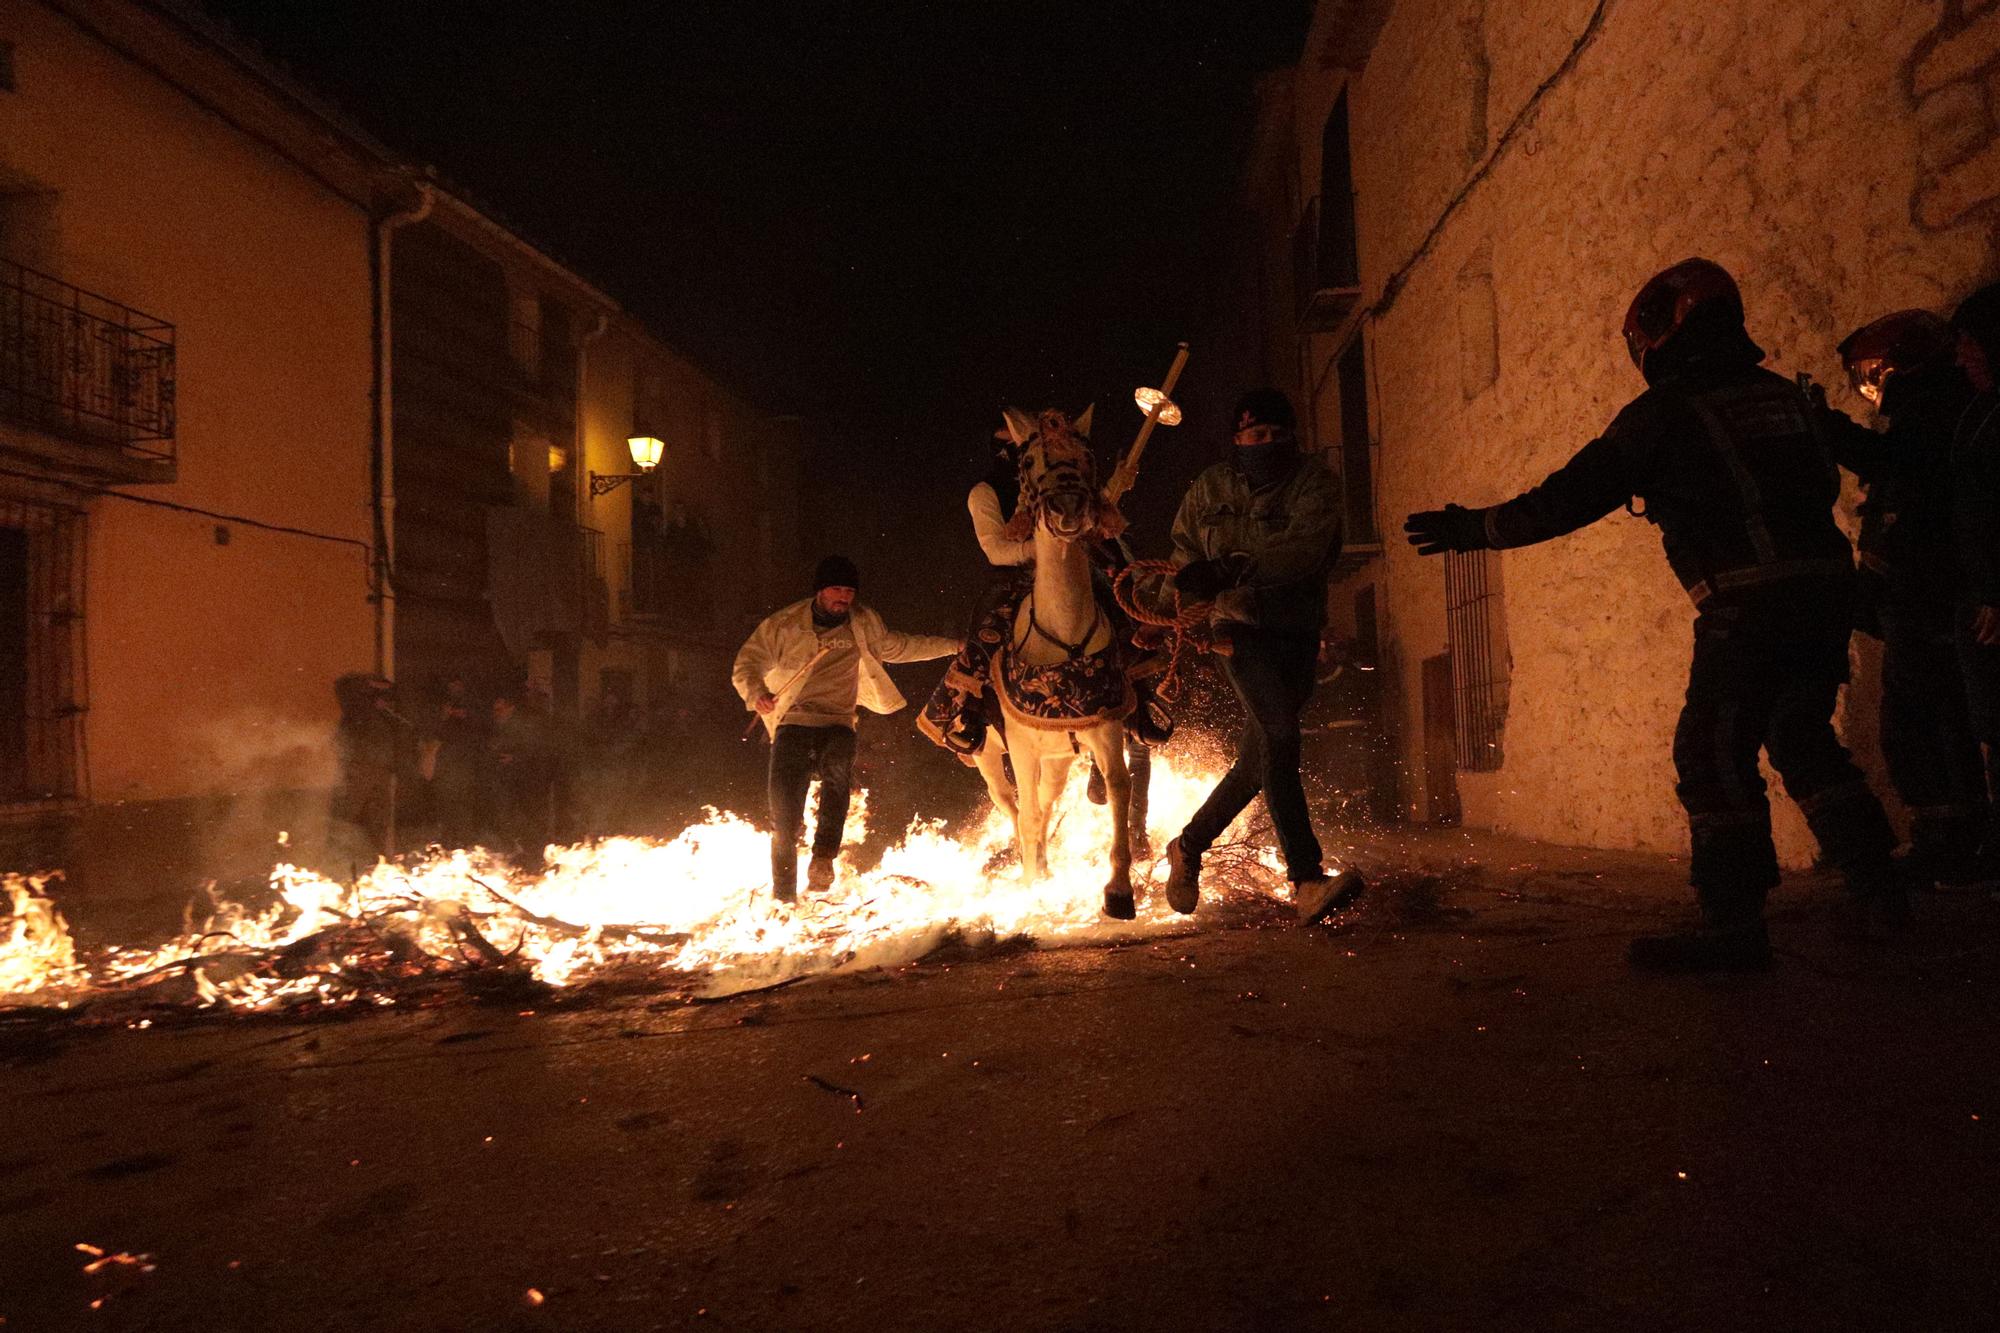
(698, 906)
(102, 1260)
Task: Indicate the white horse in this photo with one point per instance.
(1059, 622)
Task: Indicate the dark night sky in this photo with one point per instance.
(889, 217)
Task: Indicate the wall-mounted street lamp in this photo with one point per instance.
(646, 451)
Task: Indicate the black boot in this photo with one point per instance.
(967, 733)
(1740, 947)
(1878, 907)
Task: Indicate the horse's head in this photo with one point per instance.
(1058, 477)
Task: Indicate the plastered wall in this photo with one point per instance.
(1838, 158)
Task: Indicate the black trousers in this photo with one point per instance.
(1273, 674)
(1767, 678)
(1979, 667)
(1927, 735)
(798, 754)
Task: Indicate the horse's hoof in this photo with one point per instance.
(1120, 906)
(1093, 790)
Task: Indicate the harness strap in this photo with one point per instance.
(1757, 575)
(1746, 485)
(1071, 651)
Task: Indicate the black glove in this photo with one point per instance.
(1452, 528)
(1203, 580)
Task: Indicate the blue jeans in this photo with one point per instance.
(1272, 673)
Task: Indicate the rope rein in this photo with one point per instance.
(1186, 617)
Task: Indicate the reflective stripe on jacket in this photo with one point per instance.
(1731, 465)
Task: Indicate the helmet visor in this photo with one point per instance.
(1870, 376)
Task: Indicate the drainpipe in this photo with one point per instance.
(382, 458)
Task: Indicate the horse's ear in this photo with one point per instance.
(1020, 425)
(1083, 421)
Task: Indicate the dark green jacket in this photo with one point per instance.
(1291, 531)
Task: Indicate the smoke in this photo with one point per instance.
(270, 776)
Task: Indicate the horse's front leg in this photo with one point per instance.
(1032, 821)
(991, 762)
(1107, 750)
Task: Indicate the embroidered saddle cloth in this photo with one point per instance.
(1063, 696)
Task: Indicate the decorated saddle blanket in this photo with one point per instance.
(1076, 693)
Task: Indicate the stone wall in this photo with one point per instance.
(1519, 171)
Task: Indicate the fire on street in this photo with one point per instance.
(1460, 1112)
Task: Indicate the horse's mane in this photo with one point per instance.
(1059, 440)
(1059, 443)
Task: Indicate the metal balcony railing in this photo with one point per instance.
(665, 586)
(593, 591)
(84, 368)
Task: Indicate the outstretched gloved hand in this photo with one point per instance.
(1204, 580)
(1452, 528)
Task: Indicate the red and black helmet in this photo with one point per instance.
(1899, 344)
(1670, 296)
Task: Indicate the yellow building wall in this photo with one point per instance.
(716, 475)
(210, 665)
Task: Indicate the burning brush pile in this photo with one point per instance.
(693, 913)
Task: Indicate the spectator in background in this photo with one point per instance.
(520, 775)
(455, 746)
(368, 748)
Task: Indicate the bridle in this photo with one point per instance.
(1072, 470)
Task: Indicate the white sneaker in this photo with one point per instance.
(1319, 898)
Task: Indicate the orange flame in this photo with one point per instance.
(697, 907)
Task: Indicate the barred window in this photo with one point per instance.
(41, 653)
(1476, 626)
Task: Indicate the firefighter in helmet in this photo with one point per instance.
(1906, 365)
(1731, 464)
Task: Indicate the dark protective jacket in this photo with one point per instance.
(1290, 529)
(1907, 539)
(1975, 493)
(1727, 459)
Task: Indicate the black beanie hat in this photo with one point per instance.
(1978, 318)
(836, 571)
(1264, 407)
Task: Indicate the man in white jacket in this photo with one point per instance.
(807, 670)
